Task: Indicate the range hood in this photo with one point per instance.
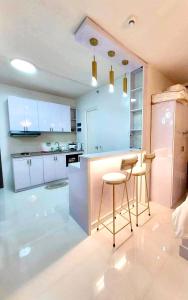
(25, 133)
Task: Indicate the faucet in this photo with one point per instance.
(58, 146)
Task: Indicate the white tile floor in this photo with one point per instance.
(44, 255)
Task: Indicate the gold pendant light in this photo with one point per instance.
(111, 54)
(111, 80)
(94, 43)
(124, 63)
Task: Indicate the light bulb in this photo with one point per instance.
(124, 95)
(23, 66)
(111, 88)
(133, 100)
(94, 81)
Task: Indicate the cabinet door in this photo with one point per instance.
(23, 114)
(60, 169)
(66, 118)
(21, 173)
(48, 116)
(31, 115)
(16, 113)
(36, 170)
(44, 116)
(61, 118)
(49, 168)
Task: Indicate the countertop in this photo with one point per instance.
(101, 155)
(41, 153)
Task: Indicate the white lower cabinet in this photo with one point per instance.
(21, 173)
(60, 168)
(54, 167)
(49, 168)
(36, 171)
(33, 171)
(27, 172)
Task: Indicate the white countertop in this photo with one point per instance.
(101, 155)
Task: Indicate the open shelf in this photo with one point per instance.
(135, 129)
(136, 89)
(136, 110)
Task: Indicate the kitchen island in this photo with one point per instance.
(85, 181)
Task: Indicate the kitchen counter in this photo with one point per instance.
(41, 153)
(102, 155)
(85, 182)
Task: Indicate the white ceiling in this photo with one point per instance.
(41, 31)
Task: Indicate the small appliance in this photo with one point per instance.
(72, 146)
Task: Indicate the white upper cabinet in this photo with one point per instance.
(45, 116)
(31, 115)
(54, 117)
(23, 114)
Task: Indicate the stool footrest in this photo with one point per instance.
(117, 231)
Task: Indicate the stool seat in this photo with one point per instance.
(114, 178)
(138, 171)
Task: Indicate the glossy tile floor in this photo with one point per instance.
(44, 255)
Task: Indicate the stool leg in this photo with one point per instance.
(122, 198)
(113, 215)
(147, 192)
(137, 201)
(141, 188)
(128, 206)
(133, 189)
(100, 205)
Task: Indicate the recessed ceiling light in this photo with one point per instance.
(23, 66)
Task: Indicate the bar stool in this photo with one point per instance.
(139, 171)
(117, 179)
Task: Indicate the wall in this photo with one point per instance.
(9, 144)
(113, 117)
(154, 82)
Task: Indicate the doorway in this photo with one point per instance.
(93, 130)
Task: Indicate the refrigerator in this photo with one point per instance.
(169, 141)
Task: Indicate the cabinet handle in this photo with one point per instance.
(30, 162)
(54, 157)
(62, 129)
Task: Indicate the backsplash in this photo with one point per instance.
(34, 144)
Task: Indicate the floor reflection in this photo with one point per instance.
(35, 231)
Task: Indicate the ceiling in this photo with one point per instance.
(42, 32)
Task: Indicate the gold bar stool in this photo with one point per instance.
(137, 172)
(116, 179)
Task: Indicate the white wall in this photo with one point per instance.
(113, 120)
(9, 144)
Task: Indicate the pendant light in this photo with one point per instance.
(111, 54)
(94, 43)
(124, 63)
(111, 80)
